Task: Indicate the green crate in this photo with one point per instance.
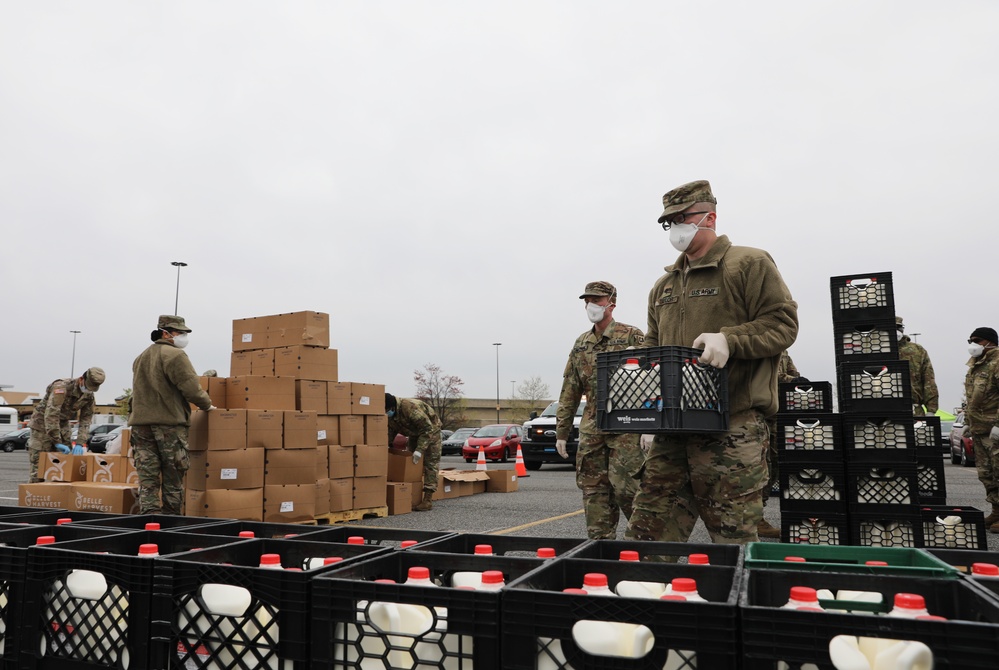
(835, 558)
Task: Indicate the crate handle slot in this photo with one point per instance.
(861, 282)
(882, 473)
(875, 371)
(812, 475)
(801, 423)
(803, 389)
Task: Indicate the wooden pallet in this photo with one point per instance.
(352, 515)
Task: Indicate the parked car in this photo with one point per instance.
(99, 443)
(454, 443)
(445, 434)
(945, 427)
(539, 438)
(16, 440)
(961, 449)
(499, 441)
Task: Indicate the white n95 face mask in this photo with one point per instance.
(976, 349)
(180, 340)
(595, 312)
(682, 234)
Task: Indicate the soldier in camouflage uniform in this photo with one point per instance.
(732, 303)
(606, 463)
(164, 386)
(924, 382)
(64, 400)
(786, 372)
(418, 421)
(981, 414)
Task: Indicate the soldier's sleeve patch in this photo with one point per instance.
(698, 292)
(63, 391)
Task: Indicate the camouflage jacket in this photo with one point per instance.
(164, 386)
(924, 382)
(63, 400)
(786, 371)
(738, 292)
(981, 392)
(580, 375)
(416, 420)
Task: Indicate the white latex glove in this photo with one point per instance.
(994, 433)
(210, 408)
(646, 442)
(561, 448)
(715, 349)
(417, 456)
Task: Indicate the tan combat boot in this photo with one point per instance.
(764, 529)
(992, 518)
(427, 503)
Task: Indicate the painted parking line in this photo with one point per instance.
(514, 529)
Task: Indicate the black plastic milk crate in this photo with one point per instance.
(669, 392)
(927, 433)
(931, 479)
(867, 297)
(462, 627)
(165, 521)
(965, 559)
(260, 529)
(947, 527)
(866, 341)
(875, 386)
(524, 546)
(967, 640)
(372, 535)
(88, 602)
(57, 517)
(15, 541)
(726, 555)
(807, 397)
(812, 481)
(271, 625)
(13, 510)
(808, 527)
(539, 619)
(809, 432)
(882, 483)
(881, 435)
(886, 526)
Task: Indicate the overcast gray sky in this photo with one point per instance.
(439, 176)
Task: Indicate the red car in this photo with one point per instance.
(499, 441)
(961, 449)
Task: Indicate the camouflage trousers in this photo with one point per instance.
(719, 478)
(38, 442)
(161, 460)
(431, 447)
(774, 476)
(987, 465)
(606, 465)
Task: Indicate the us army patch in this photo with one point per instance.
(58, 390)
(698, 292)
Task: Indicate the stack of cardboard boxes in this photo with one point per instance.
(86, 483)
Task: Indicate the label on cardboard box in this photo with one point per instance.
(229, 473)
(364, 400)
(247, 337)
(288, 506)
(322, 435)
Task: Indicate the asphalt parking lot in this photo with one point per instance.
(547, 504)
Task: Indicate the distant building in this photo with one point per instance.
(482, 412)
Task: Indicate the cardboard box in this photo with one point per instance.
(218, 430)
(322, 497)
(262, 363)
(341, 494)
(309, 328)
(341, 462)
(104, 468)
(56, 467)
(303, 362)
(370, 461)
(310, 396)
(446, 489)
(338, 398)
(252, 392)
(376, 430)
(479, 487)
(216, 388)
(501, 481)
(264, 429)
(369, 492)
(300, 430)
(45, 495)
(287, 504)
(328, 429)
(126, 442)
(249, 334)
(401, 467)
(457, 483)
(107, 497)
(239, 364)
(351, 430)
(367, 398)
(245, 504)
(399, 497)
(128, 474)
(233, 469)
(284, 467)
(322, 462)
(417, 495)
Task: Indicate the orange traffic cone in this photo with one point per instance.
(519, 464)
(480, 464)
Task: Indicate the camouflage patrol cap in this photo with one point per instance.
(93, 378)
(898, 323)
(682, 197)
(171, 322)
(599, 289)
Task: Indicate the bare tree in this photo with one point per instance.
(532, 396)
(442, 392)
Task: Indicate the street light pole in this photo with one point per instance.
(497, 345)
(176, 297)
(72, 366)
(512, 391)
(914, 336)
